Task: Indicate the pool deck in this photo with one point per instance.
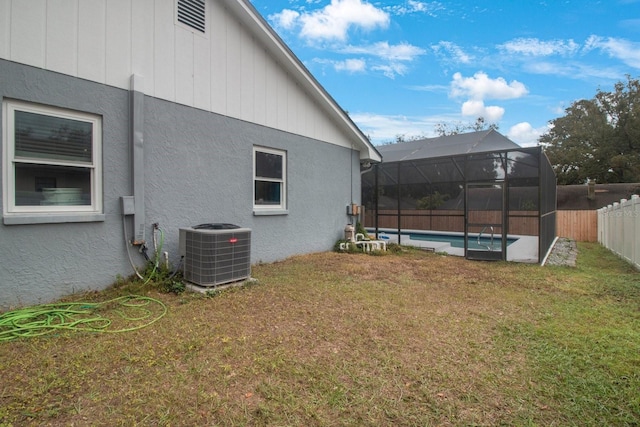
(525, 249)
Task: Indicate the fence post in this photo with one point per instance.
(621, 233)
(635, 215)
(628, 227)
(609, 225)
(599, 225)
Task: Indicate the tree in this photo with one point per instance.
(400, 138)
(432, 201)
(598, 138)
(576, 142)
(444, 129)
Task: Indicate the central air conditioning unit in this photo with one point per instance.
(215, 254)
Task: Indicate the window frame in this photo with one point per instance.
(16, 214)
(270, 209)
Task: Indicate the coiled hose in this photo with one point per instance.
(135, 312)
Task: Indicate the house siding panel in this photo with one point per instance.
(260, 82)
(202, 74)
(218, 31)
(184, 66)
(62, 36)
(234, 69)
(143, 40)
(5, 29)
(92, 18)
(118, 43)
(271, 90)
(281, 98)
(292, 108)
(28, 31)
(248, 89)
(163, 83)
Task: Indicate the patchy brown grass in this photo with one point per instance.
(347, 339)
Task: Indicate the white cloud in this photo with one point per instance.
(285, 19)
(430, 88)
(476, 108)
(399, 52)
(334, 21)
(392, 55)
(351, 65)
(473, 108)
(572, 70)
(385, 128)
(536, 47)
(412, 6)
(480, 87)
(450, 50)
(359, 65)
(391, 70)
(526, 135)
(624, 50)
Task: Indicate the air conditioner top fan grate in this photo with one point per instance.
(215, 226)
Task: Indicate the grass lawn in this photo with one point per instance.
(350, 339)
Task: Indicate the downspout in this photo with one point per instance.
(136, 140)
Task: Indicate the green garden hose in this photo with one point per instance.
(133, 312)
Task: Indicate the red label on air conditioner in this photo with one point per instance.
(233, 240)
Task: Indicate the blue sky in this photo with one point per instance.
(401, 67)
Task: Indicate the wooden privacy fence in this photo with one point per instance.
(619, 227)
(576, 225)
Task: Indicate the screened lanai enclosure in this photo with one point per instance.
(477, 195)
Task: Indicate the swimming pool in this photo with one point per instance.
(455, 240)
(458, 241)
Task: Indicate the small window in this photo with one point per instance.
(269, 176)
(52, 160)
(192, 13)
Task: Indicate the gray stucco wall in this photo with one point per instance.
(197, 168)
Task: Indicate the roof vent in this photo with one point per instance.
(192, 14)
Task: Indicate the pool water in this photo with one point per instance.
(455, 240)
(458, 241)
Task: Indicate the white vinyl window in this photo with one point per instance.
(52, 161)
(270, 180)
